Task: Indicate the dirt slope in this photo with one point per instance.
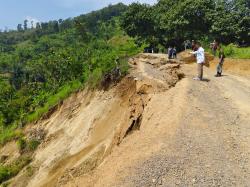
(195, 134)
(155, 128)
(234, 66)
(84, 129)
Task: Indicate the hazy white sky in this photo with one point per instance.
(13, 12)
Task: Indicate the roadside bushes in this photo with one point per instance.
(8, 171)
(234, 51)
(27, 146)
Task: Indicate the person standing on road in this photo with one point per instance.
(214, 47)
(200, 57)
(220, 65)
(170, 51)
(186, 44)
(174, 53)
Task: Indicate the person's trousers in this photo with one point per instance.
(200, 70)
(219, 67)
(214, 52)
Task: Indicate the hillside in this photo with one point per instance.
(81, 132)
(81, 105)
(43, 65)
(39, 67)
(159, 127)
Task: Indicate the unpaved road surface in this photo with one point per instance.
(194, 134)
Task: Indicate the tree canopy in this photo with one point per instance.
(173, 21)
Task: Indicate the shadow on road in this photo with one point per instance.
(206, 80)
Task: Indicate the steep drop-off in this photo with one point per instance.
(82, 131)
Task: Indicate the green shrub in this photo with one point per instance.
(55, 99)
(229, 50)
(32, 145)
(9, 133)
(5, 184)
(21, 144)
(233, 51)
(6, 172)
(95, 78)
(30, 171)
(124, 66)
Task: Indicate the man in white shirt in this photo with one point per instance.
(200, 57)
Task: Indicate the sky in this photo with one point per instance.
(13, 12)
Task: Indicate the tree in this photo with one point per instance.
(32, 24)
(19, 27)
(60, 21)
(173, 21)
(66, 24)
(25, 25)
(55, 26)
(44, 26)
(231, 21)
(38, 26)
(184, 19)
(138, 21)
(242, 10)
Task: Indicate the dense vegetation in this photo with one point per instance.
(40, 66)
(174, 21)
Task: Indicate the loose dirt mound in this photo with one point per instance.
(188, 58)
(85, 128)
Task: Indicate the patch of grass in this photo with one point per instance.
(5, 184)
(21, 144)
(233, 51)
(30, 171)
(9, 133)
(53, 100)
(27, 146)
(95, 78)
(32, 145)
(9, 171)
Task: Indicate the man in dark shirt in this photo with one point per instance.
(220, 65)
(194, 48)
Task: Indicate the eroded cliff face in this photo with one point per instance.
(82, 131)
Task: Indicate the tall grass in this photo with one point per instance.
(8, 171)
(233, 51)
(8, 133)
(11, 132)
(53, 100)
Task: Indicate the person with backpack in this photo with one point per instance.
(200, 57)
(221, 61)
